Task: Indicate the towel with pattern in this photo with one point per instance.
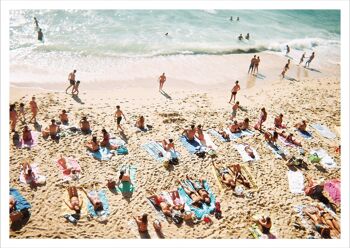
(156, 150)
(74, 169)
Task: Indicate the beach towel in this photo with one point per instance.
(222, 186)
(276, 149)
(126, 187)
(155, 149)
(285, 142)
(305, 134)
(102, 154)
(324, 131)
(217, 135)
(156, 208)
(191, 146)
(35, 170)
(207, 143)
(296, 182)
(21, 202)
(69, 130)
(240, 134)
(245, 157)
(67, 174)
(199, 212)
(30, 144)
(66, 210)
(104, 200)
(332, 187)
(326, 160)
(257, 234)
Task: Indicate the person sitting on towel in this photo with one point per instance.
(124, 176)
(140, 123)
(271, 138)
(85, 125)
(94, 200)
(68, 169)
(52, 130)
(29, 175)
(200, 190)
(190, 133)
(239, 177)
(74, 202)
(244, 125)
(27, 135)
(278, 121)
(168, 144)
(301, 126)
(234, 128)
(105, 141)
(93, 145)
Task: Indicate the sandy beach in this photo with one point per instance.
(198, 97)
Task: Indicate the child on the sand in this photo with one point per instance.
(76, 88)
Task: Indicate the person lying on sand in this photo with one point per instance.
(278, 121)
(142, 223)
(244, 125)
(52, 130)
(271, 138)
(140, 123)
(190, 133)
(249, 151)
(168, 144)
(325, 224)
(239, 177)
(159, 201)
(93, 145)
(226, 176)
(124, 176)
(94, 200)
(64, 117)
(105, 141)
(289, 138)
(74, 202)
(301, 126)
(225, 135)
(265, 224)
(26, 134)
(85, 125)
(200, 189)
(234, 128)
(68, 169)
(196, 198)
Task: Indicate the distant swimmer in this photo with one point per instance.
(36, 22)
(310, 59)
(247, 36)
(231, 18)
(162, 80)
(252, 63)
(71, 79)
(288, 49)
(302, 58)
(40, 35)
(166, 34)
(237, 18)
(240, 37)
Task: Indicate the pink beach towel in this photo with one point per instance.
(67, 174)
(333, 189)
(35, 171)
(31, 143)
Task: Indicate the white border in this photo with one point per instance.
(335, 4)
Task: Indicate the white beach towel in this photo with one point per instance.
(326, 160)
(277, 150)
(244, 155)
(324, 131)
(296, 182)
(209, 144)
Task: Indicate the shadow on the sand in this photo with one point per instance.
(123, 136)
(165, 94)
(77, 99)
(37, 126)
(312, 69)
(259, 76)
(291, 79)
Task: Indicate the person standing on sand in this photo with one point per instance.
(252, 63)
(256, 65)
(235, 107)
(288, 50)
(71, 79)
(162, 80)
(40, 35)
(76, 88)
(234, 91)
(262, 119)
(310, 59)
(13, 117)
(118, 114)
(302, 58)
(34, 108)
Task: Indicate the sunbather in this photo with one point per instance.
(124, 176)
(64, 117)
(293, 161)
(278, 121)
(28, 173)
(168, 144)
(68, 169)
(140, 123)
(234, 128)
(190, 133)
(105, 141)
(249, 151)
(324, 223)
(271, 138)
(196, 198)
(301, 126)
(204, 194)
(244, 125)
(238, 176)
(225, 135)
(226, 176)
(159, 200)
(289, 138)
(328, 219)
(93, 145)
(265, 224)
(142, 223)
(13, 117)
(200, 134)
(94, 200)
(74, 202)
(52, 130)
(85, 125)
(27, 135)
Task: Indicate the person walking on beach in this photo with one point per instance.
(36, 23)
(231, 18)
(40, 35)
(234, 91)
(118, 114)
(71, 79)
(310, 59)
(76, 88)
(288, 50)
(252, 63)
(34, 108)
(302, 58)
(162, 80)
(256, 65)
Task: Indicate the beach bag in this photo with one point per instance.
(16, 216)
(212, 153)
(314, 158)
(122, 150)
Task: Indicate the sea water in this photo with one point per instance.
(100, 42)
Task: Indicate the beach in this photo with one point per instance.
(197, 91)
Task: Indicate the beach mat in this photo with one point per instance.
(245, 157)
(207, 143)
(191, 146)
(30, 144)
(126, 187)
(66, 210)
(305, 134)
(324, 131)
(332, 187)
(157, 209)
(104, 200)
(103, 154)
(21, 202)
(66, 174)
(326, 160)
(296, 182)
(155, 148)
(240, 134)
(276, 150)
(217, 135)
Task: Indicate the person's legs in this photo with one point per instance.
(231, 97)
(69, 87)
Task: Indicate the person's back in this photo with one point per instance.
(53, 129)
(84, 125)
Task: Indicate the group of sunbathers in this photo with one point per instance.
(232, 174)
(194, 132)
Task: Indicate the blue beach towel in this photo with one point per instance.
(217, 135)
(155, 148)
(126, 186)
(102, 154)
(21, 202)
(240, 134)
(191, 146)
(199, 212)
(104, 200)
(324, 131)
(305, 134)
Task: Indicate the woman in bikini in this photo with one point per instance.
(168, 144)
(196, 198)
(200, 190)
(142, 223)
(249, 151)
(93, 145)
(200, 134)
(226, 176)
(74, 202)
(94, 200)
(236, 170)
(124, 176)
(323, 228)
(159, 200)
(27, 135)
(105, 141)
